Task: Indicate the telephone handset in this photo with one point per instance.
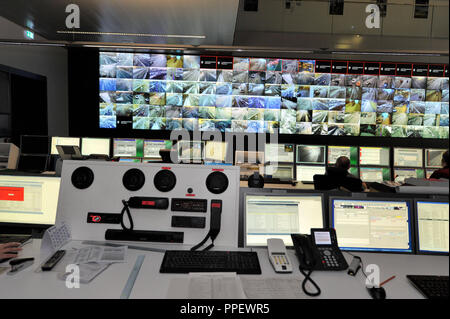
(319, 251)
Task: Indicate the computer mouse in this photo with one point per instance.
(377, 293)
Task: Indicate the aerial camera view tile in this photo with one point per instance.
(290, 96)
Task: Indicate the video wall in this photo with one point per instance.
(258, 95)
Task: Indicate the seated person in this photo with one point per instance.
(340, 171)
(444, 171)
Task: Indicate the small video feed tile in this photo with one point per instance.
(417, 95)
(157, 98)
(336, 104)
(174, 74)
(432, 108)
(337, 80)
(369, 94)
(430, 132)
(240, 89)
(157, 86)
(385, 94)
(304, 128)
(141, 59)
(289, 65)
(240, 101)
(383, 118)
(368, 118)
(319, 91)
(223, 113)
(141, 98)
(191, 62)
(125, 84)
(399, 119)
(173, 112)
(157, 123)
(223, 125)
(433, 96)
(108, 84)
(224, 89)
(241, 64)
(124, 97)
(419, 82)
(273, 77)
(414, 131)
(352, 118)
(256, 102)
(190, 124)
(108, 71)
(401, 96)
(319, 117)
(191, 112)
(429, 120)
(108, 97)
(239, 114)
(444, 108)
(207, 100)
(273, 64)
(369, 81)
(304, 91)
(402, 82)
(224, 101)
(256, 89)
(319, 129)
(306, 66)
(369, 106)
(384, 130)
(124, 110)
(417, 107)
(256, 77)
(207, 88)
(305, 78)
(240, 76)
(191, 74)
(398, 130)
(368, 130)
(158, 60)
(336, 117)
(258, 64)
(353, 80)
(443, 120)
(158, 111)
(337, 92)
(191, 88)
(304, 116)
(255, 114)
(108, 122)
(272, 102)
(174, 61)
(174, 99)
(271, 115)
(353, 93)
(107, 109)
(174, 124)
(191, 99)
(207, 75)
(336, 129)
(141, 86)
(353, 106)
(125, 59)
(322, 79)
(415, 119)
(140, 72)
(255, 126)
(224, 75)
(238, 126)
(351, 130)
(443, 132)
(174, 87)
(107, 58)
(141, 123)
(124, 72)
(272, 90)
(445, 96)
(158, 73)
(289, 78)
(437, 83)
(385, 82)
(289, 91)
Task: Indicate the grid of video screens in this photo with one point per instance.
(290, 96)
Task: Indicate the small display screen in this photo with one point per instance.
(322, 238)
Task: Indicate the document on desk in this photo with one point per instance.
(101, 255)
(272, 288)
(86, 272)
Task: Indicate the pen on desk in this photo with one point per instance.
(386, 281)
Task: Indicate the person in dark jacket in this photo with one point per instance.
(444, 171)
(340, 170)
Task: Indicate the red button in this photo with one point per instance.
(215, 205)
(12, 193)
(148, 203)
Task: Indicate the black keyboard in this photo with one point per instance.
(182, 262)
(4, 239)
(432, 287)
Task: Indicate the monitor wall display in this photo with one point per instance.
(306, 173)
(128, 147)
(351, 152)
(374, 174)
(310, 154)
(66, 141)
(432, 224)
(95, 146)
(408, 157)
(290, 96)
(283, 153)
(152, 148)
(377, 156)
(433, 157)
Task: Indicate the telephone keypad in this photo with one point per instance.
(328, 258)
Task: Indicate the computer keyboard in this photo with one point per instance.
(432, 287)
(182, 262)
(14, 239)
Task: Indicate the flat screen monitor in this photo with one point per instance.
(432, 226)
(374, 174)
(433, 158)
(408, 157)
(128, 147)
(130, 160)
(215, 151)
(400, 174)
(191, 150)
(248, 157)
(381, 225)
(374, 156)
(279, 153)
(64, 141)
(279, 216)
(310, 154)
(34, 145)
(28, 199)
(91, 146)
(33, 163)
(282, 172)
(351, 152)
(306, 173)
(152, 148)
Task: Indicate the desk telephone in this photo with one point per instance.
(319, 251)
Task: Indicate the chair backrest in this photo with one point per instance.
(324, 183)
(351, 184)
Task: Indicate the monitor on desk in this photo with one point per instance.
(374, 174)
(152, 148)
(30, 200)
(215, 151)
(280, 171)
(408, 157)
(269, 215)
(306, 173)
(374, 156)
(91, 146)
(64, 141)
(279, 153)
(34, 145)
(310, 154)
(381, 225)
(351, 152)
(128, 147)
(191, 151)
(433, 158)
(431, 218)
(400, 174)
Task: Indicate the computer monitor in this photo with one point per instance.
(28, 199)
(130, 160)
(270, 215)
(400, 174)
(351, 152)
(64, 141)
(152, 148)
(310, 154)
(215, 151)
(128, 147)
(408, 157)
(432, 226)
(374, 174)
(280, 171)
(374, 156)
(191, 150)
(279, 153)
(433, 158)
(306, 173)
(91, 146)
(382, 225)
(34, 145)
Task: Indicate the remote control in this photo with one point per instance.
(53, 260)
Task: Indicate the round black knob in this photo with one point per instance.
(133, 179)
(82, 177)
(165, 180)
(217, 182)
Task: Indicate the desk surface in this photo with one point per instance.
(151, 284)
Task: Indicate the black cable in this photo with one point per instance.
(308, 278)
(126, 209)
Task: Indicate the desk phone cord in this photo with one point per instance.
(308, 278)
(126, 209)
